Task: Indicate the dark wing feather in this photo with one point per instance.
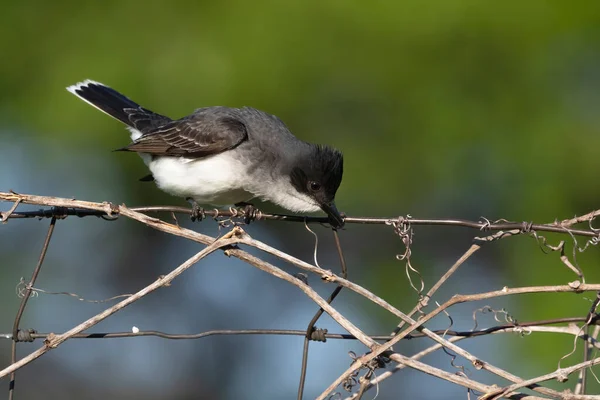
(196, 136)
(118, 106)
(145, 120)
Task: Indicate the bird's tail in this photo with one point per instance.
(116, 105)
(104, 99)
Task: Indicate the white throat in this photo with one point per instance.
(285, 195)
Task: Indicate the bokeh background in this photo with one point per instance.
(442, 109)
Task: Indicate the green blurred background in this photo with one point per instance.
(442, 109)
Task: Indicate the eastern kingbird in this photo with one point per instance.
(223, 156)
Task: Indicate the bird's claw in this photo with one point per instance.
(197, 213)
(250, 212)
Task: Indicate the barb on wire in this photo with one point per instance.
(23, 288)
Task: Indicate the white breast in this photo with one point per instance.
(217, 180)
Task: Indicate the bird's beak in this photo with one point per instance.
(335, 219)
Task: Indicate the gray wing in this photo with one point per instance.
(196, 136)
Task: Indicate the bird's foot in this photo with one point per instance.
(197, 213)
(251, 213)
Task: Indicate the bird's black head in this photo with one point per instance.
(318, 177)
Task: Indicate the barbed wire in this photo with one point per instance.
(362, 375)
(30, 335)
(112, 213)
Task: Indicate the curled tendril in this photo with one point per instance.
(590, 221)
(316, 248)
(403, 229)
(22, 287)
(507, 318)
(461, 368)
(522, 330)
(353, 380)
(486, 224)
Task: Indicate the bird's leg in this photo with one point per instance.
(197, 211)
(250, 212)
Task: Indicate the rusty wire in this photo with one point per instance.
(524, 227)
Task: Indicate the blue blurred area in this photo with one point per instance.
(446, 109)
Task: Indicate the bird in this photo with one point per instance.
(222, 156)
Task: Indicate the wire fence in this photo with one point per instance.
(365, 373)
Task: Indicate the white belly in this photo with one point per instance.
(216, 180)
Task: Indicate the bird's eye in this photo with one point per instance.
(314, 186)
